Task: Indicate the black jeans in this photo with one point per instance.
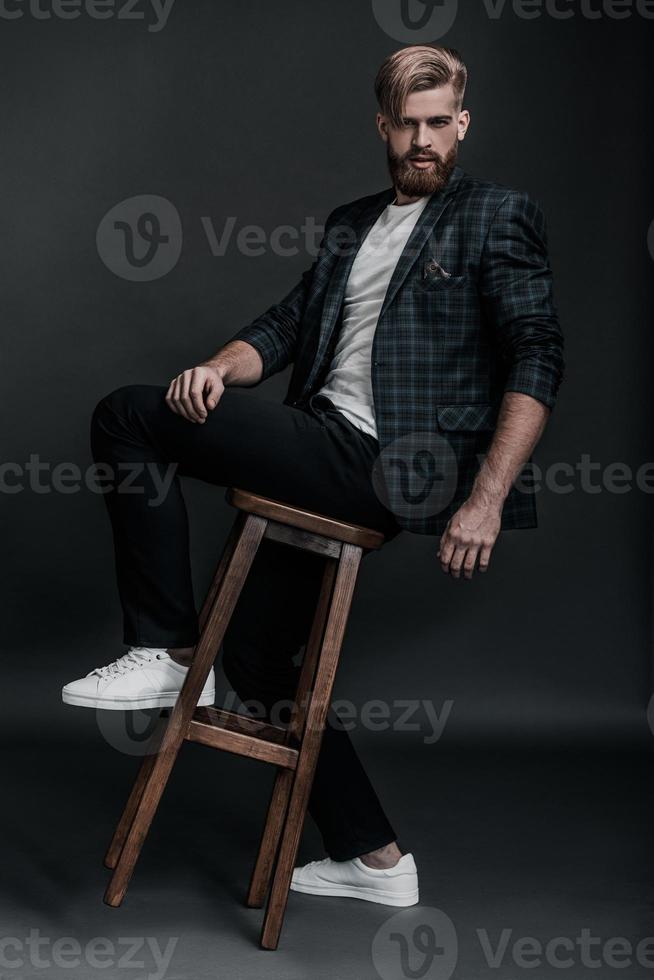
(312, 458)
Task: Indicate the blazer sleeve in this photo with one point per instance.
(274, 334)
(516, 291)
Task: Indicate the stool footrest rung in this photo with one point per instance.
(241, 735)
(245, 724)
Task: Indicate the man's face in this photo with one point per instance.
(423, 151)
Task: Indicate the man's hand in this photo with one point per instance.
(471, 533)
(196, 392)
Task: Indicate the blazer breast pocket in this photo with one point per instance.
(436, 283)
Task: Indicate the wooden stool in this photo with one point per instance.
(293, 748)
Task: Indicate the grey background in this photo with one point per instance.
(264, 111)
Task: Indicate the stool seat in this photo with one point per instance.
(306, 520)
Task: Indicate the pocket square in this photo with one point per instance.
(434, 270)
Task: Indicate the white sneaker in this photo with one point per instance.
(145, 677)
(354, 879)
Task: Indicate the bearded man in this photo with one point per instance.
(427, 317)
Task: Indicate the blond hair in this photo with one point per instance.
(414, 69)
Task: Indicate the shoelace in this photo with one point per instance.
(135, 657)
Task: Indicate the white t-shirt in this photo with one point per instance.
(349, 384)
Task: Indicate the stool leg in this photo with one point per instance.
(260, 880)
(125, 822)
(317, 713)
(310, 659)
(221, 568)
(284, 779)
(212, 634)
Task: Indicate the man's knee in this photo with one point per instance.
(122, 402)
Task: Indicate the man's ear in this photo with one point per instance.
(462, 124)
(382, 126)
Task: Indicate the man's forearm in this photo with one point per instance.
(521, 422)
(238, 363)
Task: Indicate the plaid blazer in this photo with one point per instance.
(468, 315)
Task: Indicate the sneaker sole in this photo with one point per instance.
(132, 704)
(359, 891)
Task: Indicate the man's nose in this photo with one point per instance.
(422, 138)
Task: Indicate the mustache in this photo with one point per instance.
(402, 158)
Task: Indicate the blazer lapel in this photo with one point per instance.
(418, 237)
(336, 289)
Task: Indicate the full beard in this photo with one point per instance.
(420, 183)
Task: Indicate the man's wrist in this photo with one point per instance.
(490, 498)
(220, 366)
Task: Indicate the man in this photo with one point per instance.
(426, 322)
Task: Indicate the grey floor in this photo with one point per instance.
(510, 843)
